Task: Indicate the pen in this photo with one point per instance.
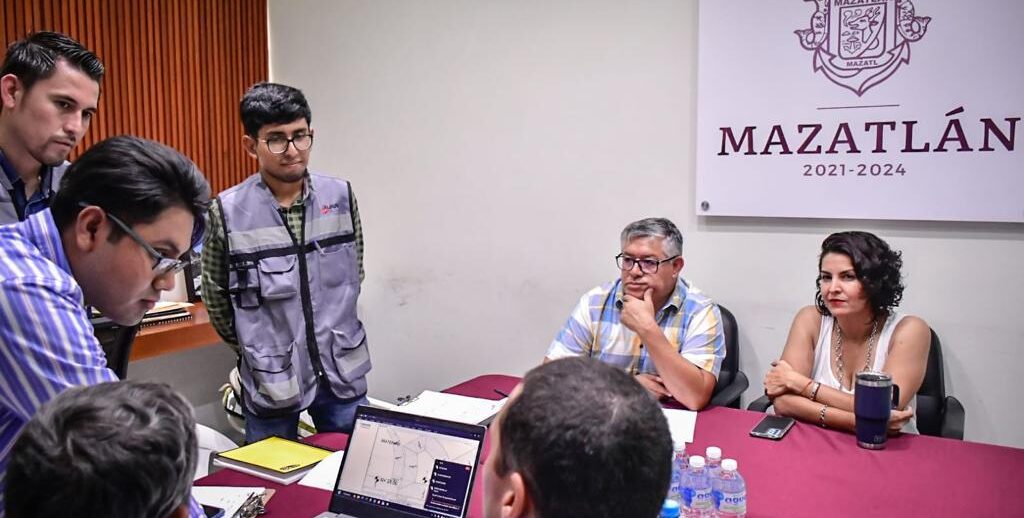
(500, 393)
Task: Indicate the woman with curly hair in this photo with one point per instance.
(853, 327)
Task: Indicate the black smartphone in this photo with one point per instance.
(212, 512)
(773, 427)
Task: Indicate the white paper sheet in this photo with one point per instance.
(453, 407)
(325, 473)
(681, 423)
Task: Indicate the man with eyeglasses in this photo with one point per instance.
(127, 211)
(281, 273)
(652, 322)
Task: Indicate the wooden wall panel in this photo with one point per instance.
(176, 69)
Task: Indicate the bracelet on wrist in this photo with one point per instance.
(805, 387)
(814, 391)
(821, 416)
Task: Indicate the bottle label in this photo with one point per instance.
(698, 498)
(733, 503)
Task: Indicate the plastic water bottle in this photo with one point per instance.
(713, 455)
(678, 470)
(730, 492)
(697, 499)
(670, 509)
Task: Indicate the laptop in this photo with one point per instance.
(402, 465)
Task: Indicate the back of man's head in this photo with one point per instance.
(122, 449)
(35, 58)
(588, 441)
(135, 180)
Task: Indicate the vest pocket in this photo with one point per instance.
(350, 354)
(275, 385)
(279, 278)
(338, 265)
(244, 285)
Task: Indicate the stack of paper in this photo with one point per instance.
(230, 499)
(275, 459)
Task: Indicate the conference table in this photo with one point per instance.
(811, 472)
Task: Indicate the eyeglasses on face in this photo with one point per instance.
(278, 144)
(648, 266)
(162, 264)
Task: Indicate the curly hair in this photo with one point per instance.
(877, 267)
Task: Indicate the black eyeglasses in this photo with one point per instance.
(278, 144)
(162, 264)
(648, 266)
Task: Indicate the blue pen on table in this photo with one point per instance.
(500, 393)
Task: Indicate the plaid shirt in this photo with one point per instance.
(690, 321)
(215, 261)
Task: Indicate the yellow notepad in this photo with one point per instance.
(277, 454)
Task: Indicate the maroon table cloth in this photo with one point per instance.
(811, 472)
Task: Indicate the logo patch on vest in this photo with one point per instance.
(333, 208)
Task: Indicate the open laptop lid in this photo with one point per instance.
(402, 465)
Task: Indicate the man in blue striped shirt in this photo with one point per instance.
(127, 210)
(652, 322)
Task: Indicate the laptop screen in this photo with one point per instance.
(400, 465)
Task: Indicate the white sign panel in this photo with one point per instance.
(869, 109)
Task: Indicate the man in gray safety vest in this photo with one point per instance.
(281, 270)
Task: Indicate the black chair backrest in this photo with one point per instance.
(731, 363)
(116, 341)
(931, 397)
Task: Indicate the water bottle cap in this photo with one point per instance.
(729, 464)
(696, 461)
(670, 509)
(713, 452)
(678, 444)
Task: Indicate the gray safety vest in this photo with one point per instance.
(294, 305)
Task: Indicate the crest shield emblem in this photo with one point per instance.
(863, 30)
(858, 44)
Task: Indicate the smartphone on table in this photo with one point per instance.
(773, 427)
(212, 512)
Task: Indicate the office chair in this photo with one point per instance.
(937, 414)
(731, 380)
(116, 341)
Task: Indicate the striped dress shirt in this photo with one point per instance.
(46, 340)
(690, 320)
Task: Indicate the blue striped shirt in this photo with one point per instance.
(46, 340)
(690, 320)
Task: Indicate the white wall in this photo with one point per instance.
(497, 148)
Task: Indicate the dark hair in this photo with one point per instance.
(35, 58)
(135, 180)
(877, 267)
(120, 449)
(272, 103)
(588, 440)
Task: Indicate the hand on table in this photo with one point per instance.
(780, 378)
(898, 418)
(654, 385)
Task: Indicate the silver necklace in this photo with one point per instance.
(872, 341)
